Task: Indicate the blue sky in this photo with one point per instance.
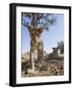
(49, 38)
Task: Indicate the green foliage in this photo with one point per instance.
(60, 45)
(52, 56)
(41, 20)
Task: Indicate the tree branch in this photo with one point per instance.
(25, 25)
(22, 20)
(38, 19)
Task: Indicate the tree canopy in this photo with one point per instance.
(41, 20)
(61, 46)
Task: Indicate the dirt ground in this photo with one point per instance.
(51, 68)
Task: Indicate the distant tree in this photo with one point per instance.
(36, 23)
(60, 45)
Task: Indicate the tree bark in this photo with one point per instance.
(36, 46)
(40, 51)
(32, 58)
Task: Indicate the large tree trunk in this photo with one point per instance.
(36, 53)
(33, 58)
(33, 55)
(40, 51)
(36, 46)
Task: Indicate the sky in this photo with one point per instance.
(49, 38)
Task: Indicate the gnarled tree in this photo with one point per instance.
(36, 23)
